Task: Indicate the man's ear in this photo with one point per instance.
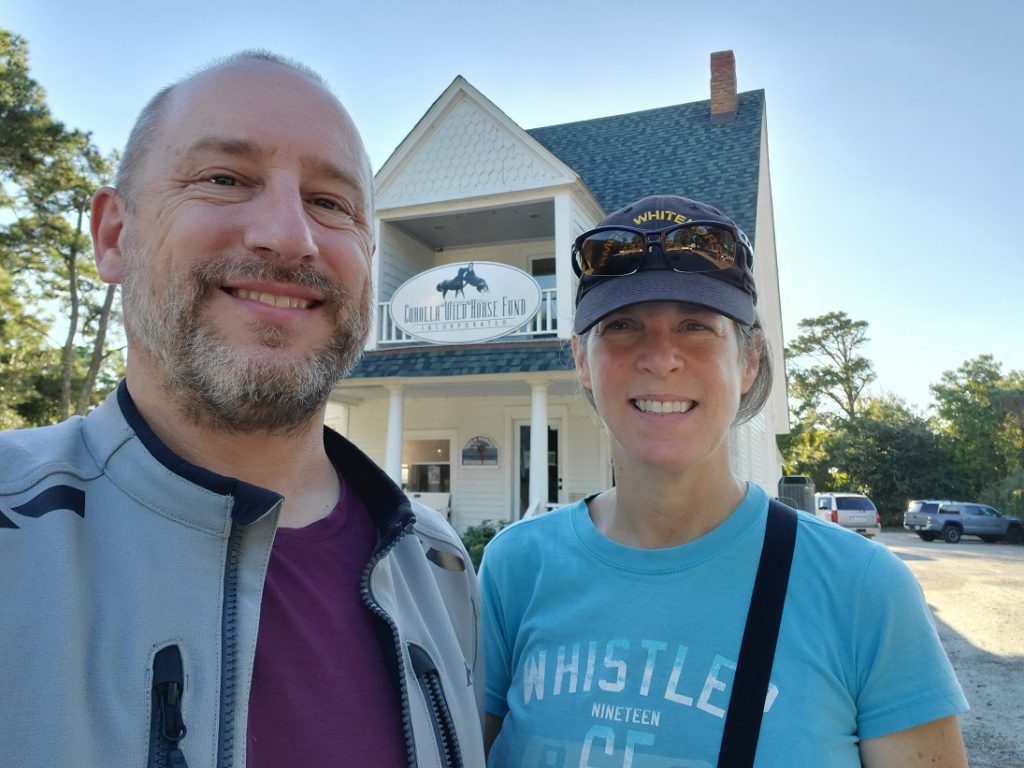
(107, 225)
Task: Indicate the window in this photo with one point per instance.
(542, 269)
(426, 466)
(849, 503)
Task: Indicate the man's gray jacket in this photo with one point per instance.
(131, 585)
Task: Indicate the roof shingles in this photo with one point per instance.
(671, 150)
(463, 361)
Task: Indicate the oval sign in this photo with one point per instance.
(464, 303)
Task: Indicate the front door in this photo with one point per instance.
(521, 486)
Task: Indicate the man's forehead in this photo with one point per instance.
(218, 110)
(247, 81)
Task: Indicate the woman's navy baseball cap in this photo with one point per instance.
(664, 248)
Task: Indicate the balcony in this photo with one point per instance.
(543, 325)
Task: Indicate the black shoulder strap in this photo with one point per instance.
(754, 667)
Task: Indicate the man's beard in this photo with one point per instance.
(219, 385)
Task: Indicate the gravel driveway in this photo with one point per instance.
(976, 592)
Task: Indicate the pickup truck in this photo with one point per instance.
(951, 520)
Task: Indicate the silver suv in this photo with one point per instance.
(850, 510)
(951, 520)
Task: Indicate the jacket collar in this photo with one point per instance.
(387, 503)
(250, 501)
(126, 445)
(131, 455)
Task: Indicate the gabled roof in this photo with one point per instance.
(465, 147)
(671, 150)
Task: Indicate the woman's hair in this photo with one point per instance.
(753, 341)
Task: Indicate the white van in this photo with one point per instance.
(850, 510)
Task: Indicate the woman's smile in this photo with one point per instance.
(662, 406)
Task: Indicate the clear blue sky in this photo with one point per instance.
(894, 127)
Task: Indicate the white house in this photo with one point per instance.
(494, 428)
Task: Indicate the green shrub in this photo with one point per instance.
(476, 537)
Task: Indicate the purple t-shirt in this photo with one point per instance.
(321, 694)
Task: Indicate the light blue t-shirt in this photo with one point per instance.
(604, 655)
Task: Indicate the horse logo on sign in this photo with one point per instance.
(465, 276)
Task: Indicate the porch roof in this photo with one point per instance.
(670, 150)
(465, 360)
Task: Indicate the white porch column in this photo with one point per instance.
(539, 445)
(375, 329)
(393, 451)
(564, 276)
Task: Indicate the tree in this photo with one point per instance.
(56, 251)
(890, 453)
(22, 351)
(837, 373)
(972, 449)
(28, 132)
(1008, 401)
(48, 175)
(979, 414)
(806, 450)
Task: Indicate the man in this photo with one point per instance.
(197, 573)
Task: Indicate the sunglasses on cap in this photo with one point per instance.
(695, 246)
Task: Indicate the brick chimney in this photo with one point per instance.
(723, 87)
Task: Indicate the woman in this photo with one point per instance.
(613, 626)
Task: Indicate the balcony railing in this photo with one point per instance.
(544, 323)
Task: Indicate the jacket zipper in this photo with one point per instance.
(167, 727)
(229, 631)
(440, 716)
(396, 533)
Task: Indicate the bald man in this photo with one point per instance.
(198, 573)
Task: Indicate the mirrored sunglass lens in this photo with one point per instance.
(612, 252)
(700, 248)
